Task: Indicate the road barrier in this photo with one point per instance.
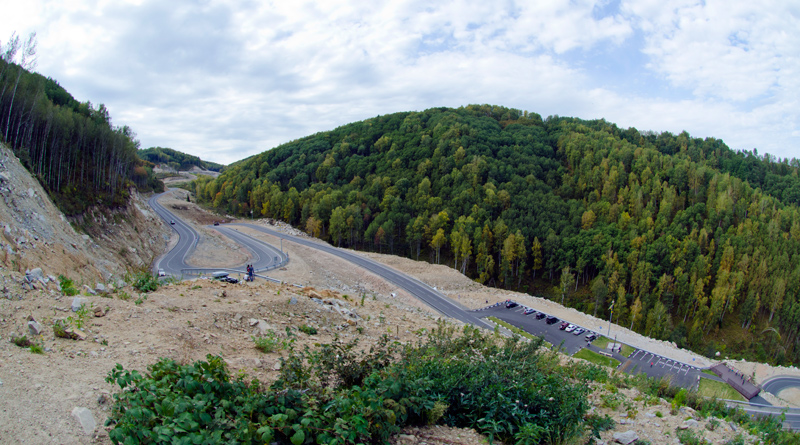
(203, 271)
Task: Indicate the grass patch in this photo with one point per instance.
(603, 342)
(512, 328)
(720, 390)
(710, 372)
(596, 358)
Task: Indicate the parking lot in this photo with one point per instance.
(640, 361)
(569, 342)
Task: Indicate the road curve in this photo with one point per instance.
(174, 261)
(418, 289)
(777, 384)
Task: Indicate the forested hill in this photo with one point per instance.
(693, 242)
(71, 147)
(177, 160)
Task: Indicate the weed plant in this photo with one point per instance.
(339, 393)
(142, 280)
(67, 286)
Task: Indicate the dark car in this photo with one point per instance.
(540, 315)
(591, 337)
(216, 223)
(528, 311)
(551, 320)
(511, 304)
(563, 326)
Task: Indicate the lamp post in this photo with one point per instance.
(610, 317)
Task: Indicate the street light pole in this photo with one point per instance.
(610, 317)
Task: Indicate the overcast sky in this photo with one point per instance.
(224, 80)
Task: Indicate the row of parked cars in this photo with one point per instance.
(549, 319)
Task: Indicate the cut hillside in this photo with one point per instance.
(98, 246)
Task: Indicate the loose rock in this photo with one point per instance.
(626, 438)
(86, 419)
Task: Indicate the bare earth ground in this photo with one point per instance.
(188, 320)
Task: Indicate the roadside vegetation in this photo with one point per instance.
(337, 393)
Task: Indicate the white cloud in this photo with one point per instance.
(227, 80)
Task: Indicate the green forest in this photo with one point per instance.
(691, 241)
(177, 160)
(71, 147)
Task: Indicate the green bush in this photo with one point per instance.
(339, 394)
(67, 286)
(143, 281)
(22, 342)
(269, 342)
(309, 330)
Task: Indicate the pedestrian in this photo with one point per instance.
(651, 364)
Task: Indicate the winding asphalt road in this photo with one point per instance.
(418, 289)
(174, 261)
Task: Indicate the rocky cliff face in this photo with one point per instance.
(95, 247)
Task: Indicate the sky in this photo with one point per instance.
(224, 80)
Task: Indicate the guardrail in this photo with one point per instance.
(202, 271)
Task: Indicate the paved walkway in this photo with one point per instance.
(738, 381)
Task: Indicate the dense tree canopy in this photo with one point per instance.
(687, 236)
(177, 160)
(71, 147)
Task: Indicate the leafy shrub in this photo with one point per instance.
(598, 424)
(339, 394)
(143, 281)
(688, 437)
(306, 329)
(67, 286)
(22, 342)
(269, 342)
(37, 349)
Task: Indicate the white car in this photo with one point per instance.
(570, 328)
(161, 273)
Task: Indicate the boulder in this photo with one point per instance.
(85, 418)
(690, 423)
(263, 327)
(75, 334)
(77, 302)
(35, 275)
(626, 438)
(34, 328)
(99, 287)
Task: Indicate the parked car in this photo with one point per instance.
(570, 328)
(528, 311)
(540, 315)
(161, 273)
(511, 304)
(564, 325)
(551, 320)
(591, 337)
(578, 331)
